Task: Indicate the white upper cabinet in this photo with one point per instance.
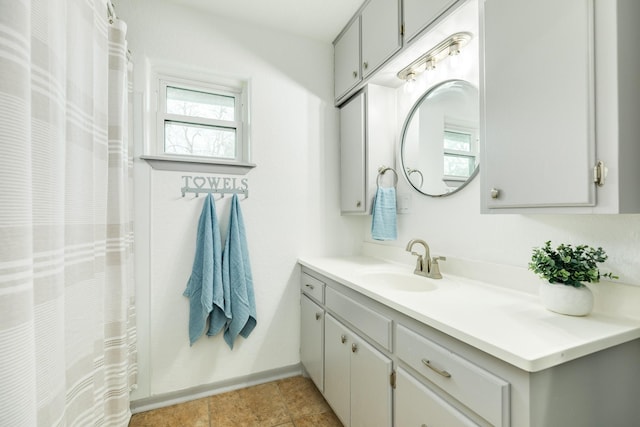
(353, 156)
(367, 141)
(555, 88)
(347, 59)
(418, 14)
(381, 36)
(372, 37)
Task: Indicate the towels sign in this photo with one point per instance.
(214, 184)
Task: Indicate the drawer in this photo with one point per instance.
(476, 388)
(372, 324)
(312, 287)
(417, 405)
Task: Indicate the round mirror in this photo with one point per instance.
(440, 150)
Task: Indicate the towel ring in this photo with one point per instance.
(382, 170)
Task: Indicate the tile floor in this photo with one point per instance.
(290, 402)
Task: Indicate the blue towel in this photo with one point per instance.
(236, 272)
(204, 287)
(383, 223)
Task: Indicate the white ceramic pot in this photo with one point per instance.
(565, 299)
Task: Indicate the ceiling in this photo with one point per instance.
(320, 20)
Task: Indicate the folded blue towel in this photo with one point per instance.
(205, 283)
(236, 272)
(383, 223)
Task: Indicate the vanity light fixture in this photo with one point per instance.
(449, 47)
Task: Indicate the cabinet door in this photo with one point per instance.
(347, 59)
(352, 155)
(418, 14)
(311, 340)
(380, 33)
(417, 405)
(538, 139)
(337, 384)
(370, 386)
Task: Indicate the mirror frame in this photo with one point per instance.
(405, 126)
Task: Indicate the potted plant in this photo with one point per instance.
(566, 269)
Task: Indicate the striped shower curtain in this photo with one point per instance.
(67, 320)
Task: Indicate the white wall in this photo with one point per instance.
(293, 204)
(292, 208)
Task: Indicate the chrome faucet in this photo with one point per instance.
(425, 265)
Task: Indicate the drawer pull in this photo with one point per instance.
(318, 316)
(309, 286)
(343, 339)
(354, 347)
(436, 370)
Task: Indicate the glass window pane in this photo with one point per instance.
(461, 166)
(457, 141)
(200, 104)
(196, 140)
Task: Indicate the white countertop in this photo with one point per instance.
(510, 325)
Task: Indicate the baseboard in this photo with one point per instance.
(181, 396)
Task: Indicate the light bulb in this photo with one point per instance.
(410, 82)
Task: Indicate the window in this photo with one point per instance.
(199, 120)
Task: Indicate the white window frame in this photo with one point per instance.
(163, 117)
(457, 126)
(154, 153)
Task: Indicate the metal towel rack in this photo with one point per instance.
(382, 170)
(198, 191)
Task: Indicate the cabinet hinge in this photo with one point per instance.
(392, 379)
(599, 173)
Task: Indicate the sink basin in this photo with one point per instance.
(398, 281)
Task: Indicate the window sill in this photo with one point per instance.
(189, 165)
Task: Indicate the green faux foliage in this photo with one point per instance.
(571, 266)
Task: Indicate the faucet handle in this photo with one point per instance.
(434, 272)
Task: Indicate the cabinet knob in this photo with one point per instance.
(358, 204)
(309, 286)
(354, 347)
(355, 74)
(343, 339)
(365, 64)
(318, 316)
(495, 193)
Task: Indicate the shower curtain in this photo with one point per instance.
(67, 319)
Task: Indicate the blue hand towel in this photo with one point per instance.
(236, 272)
(205, 283)
(383, 223)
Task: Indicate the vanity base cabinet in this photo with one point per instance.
(357, 378)
(476, 388)
(443, 381)
(417, 405)
(597, 390)
(312, 340)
